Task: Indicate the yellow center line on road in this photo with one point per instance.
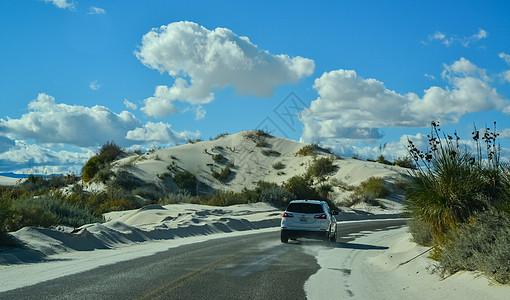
(176, 283)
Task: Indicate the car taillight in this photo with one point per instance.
(321, 216)
(288, 215)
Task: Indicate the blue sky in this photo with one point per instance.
(350, 75)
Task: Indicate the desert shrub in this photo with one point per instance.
(39, 184)
(274, 194)
(5, 212)
(324, 190)
(420, 232)
(270, 152)
(172, 167)
(382, 160)
(219, 136)
(300, 187)
(180, 198)
(148, 191)
(307, 150)
(452, 185)
(320, 167)
(46, 211)
(258, 137)
(405, 162)
(278, 166)
(226, 198)
(223, 175)
(262, 143)
(218, 158)
(104, 175)
(368, 191)
(91, 167)
(109, 152)
(186, 181)
(193, 141)
(483, 244)
(116, 204)
(29, 214)
(125, 180)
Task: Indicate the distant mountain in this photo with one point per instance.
(13, 175)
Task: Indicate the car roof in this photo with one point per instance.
(308, 201)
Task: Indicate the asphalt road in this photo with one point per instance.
(255, 266)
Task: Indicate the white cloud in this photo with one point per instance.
(130, 105)
(157, 132)
(50, 123)
(200, 112)
(505, 57)
(201, 60)
(29, 158)
(94, 85)
(96, 11)
(62, 3)
(354, 108)
(464, 41)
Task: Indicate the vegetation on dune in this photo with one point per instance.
(107, 154)
(367, 192)
(460, 197)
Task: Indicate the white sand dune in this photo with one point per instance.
(8, 181)
(179, 223)
(251, 164)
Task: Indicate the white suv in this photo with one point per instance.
(308, 219)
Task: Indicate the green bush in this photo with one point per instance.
(45, 211)
(382, 160)
(226, 198)
(483, 244)
(300, 187)
(125, 180)
(368, 191)
(218, 158)
(420, 232)
(107, 154)
(405, 162)
(278, 166)
(453, 185)
(186, 181)
(274, 194)
(223, 175)
(270, 152)
(307, 150)
(320, 167)
(91, 167)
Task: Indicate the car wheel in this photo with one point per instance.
(284, 238)
(332, 239)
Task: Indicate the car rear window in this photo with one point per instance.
(306, 208)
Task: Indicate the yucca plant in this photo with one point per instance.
(452, 184)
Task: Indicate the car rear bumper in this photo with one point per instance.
(311, 234)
